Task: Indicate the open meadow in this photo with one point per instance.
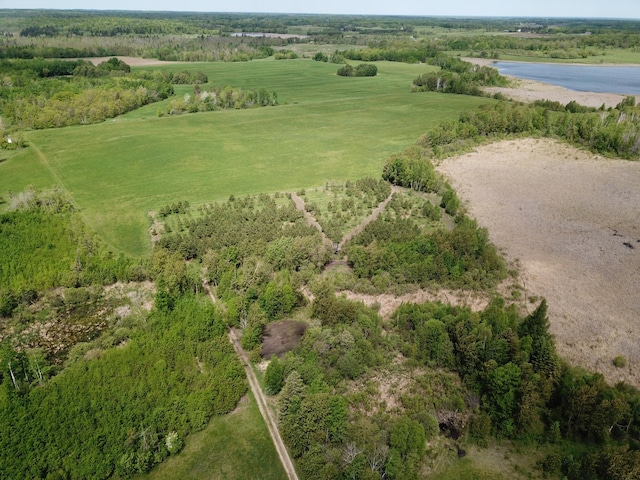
(326, 128)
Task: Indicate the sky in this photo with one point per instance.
(482, 8)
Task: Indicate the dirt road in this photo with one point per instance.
(268, 417)
(264, 408)
(299, 203)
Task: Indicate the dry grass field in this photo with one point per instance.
(571, 220)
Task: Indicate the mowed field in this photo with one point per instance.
(326, 128)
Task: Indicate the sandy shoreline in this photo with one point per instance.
(529, 90)
(570, 219)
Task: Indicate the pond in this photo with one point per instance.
(583, 78)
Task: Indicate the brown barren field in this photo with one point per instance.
(571, 220)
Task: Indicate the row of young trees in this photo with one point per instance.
(255, 253)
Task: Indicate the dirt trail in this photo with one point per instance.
(264, 408)
(299, 203)
(268, 417)
(377, 211)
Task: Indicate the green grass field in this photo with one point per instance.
(233, 447)
(326, 128)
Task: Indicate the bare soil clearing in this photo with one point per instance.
(280, 337)
(572, 220)
(389, 303)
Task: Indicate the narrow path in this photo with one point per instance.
(376, 212)
(299, 203)
(263, 406)
(54, 174)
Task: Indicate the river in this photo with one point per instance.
(583, 78)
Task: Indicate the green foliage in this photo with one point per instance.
(320, 57)
(340, 207)
(460, 257)
(502, 387)
(410, 169)
(620, 361)
(407, 437)
(130, 408)
(277, 300)
(236, 446)
(285, 55)
(613, 132)
(218, 98)
(457, 76)
(362, 70)
(274, 377)
(46, 245)
(450, 201)
(90, 95)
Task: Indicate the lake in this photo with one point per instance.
(583, 78)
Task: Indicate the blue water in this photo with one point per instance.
(624, 80)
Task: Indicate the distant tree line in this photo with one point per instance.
(180, 48)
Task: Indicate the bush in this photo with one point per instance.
(320, 57)
(620, 361)
(274, 377)
(362, 70)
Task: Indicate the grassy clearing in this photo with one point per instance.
(327, 127)
(234, 446)
(499, 462)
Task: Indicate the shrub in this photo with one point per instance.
(620, 361)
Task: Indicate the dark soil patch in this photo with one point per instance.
(281, 337)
